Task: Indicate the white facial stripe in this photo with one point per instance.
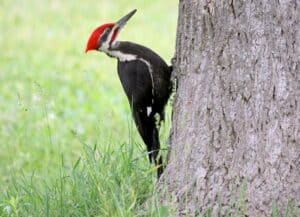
(105, 45)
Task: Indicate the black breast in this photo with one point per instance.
(136, 82)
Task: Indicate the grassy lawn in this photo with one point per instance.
(68, 146)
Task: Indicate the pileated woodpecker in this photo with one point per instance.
(145, 78)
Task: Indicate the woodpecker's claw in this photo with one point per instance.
(124, 19)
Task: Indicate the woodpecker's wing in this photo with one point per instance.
(160, 71)
(136, 83)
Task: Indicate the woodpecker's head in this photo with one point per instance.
(105, 35)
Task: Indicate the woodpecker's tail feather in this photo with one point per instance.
(150, 135)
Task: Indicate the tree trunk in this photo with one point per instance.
(235, 140)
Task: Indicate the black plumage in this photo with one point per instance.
(146, 82)
(145, 78)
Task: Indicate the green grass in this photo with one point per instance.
(68, 146)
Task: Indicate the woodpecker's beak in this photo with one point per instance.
(124, 19)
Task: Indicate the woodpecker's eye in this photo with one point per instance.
(103, 37)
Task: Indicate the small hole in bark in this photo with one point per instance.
(259, 170)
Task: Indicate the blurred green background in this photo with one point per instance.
(53, 97)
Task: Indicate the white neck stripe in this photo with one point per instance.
(123, 57)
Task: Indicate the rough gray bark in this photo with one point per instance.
(236, 116)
